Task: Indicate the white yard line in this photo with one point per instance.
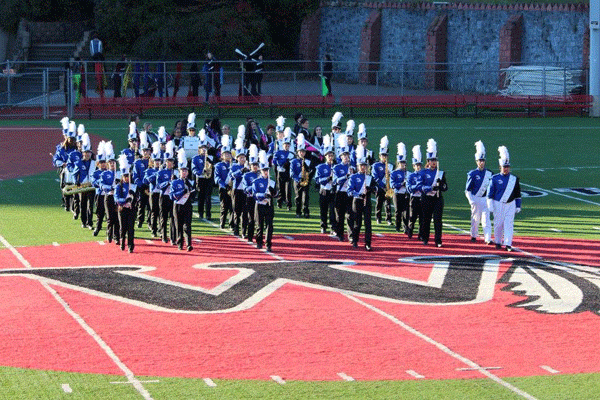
(55, 244)
(414, 374)
(443, 348)
(278, 379)
(549, 369)
(66, 388)
(209, 382)
(103, 345)
(345, 377)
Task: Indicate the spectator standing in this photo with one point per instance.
(195, 80)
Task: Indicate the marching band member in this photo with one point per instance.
(162, 139)
(478, 182)
(248, 221)
(191, 141)
(381, 172)
(301, 170)
(414, 185)
(163, 182)
(264, 193)
(324, 179)
(132, 141)
(236, 174)
(96, 181)
(434, 183)
(150, 180)
(281, 161)
(360, 187)
(60, 158)
(336, 129)
(125, 200)
(398, 181)
(343, 204)
(364, 141)
(73, 158)
(84, 173)
(222, 180)
(276, 144)
(139, 171)
(504, 200)
(202, 169)
(108, 180)
(182, 192)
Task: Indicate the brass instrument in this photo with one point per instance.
(207, 173)
(74, 188)
(305, 178)
(389, 191)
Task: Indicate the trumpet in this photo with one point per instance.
(207, 172)
(74, 189)
(389, 191)
(305, 177)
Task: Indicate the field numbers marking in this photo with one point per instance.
(414, 374)
(66, 388)
(549, 369)
(103, 345)
(561, 194)
(443, 348)
(209, 382)
(278, 379)
(345, 377)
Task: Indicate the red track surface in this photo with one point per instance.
(297, 332)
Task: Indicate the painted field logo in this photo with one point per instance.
(549, 286)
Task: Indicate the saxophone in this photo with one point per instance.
(305, 178)
(207, 173)
(389, 192)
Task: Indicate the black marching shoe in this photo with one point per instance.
(368, 247)
(180, 247)
(131, 250)
(473, 239)
(259, 246)
(269, 249)
(123, 246)
(190, 248)
(498, 246)
(438, 244)
(355, 245)
(323, 230)
(509, 248)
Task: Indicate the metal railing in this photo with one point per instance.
(39, 90)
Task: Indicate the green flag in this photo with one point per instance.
(324, 90)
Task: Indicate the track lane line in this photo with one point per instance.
(103, 345)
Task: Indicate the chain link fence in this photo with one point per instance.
(115, 89)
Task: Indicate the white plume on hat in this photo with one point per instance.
(65, 123)
(191, 120)
(362, 131)
(239, 143)
(504, 156)
(156, 150)
(416, 154)
(479, 150)
(202, 140)
(101, 152)
(335, 120)
(123, 164)
(225, 144)
(287, 135)
(280, 121)
(401, 152)
(241, 131)
(350, 124)
(144, 144)
(327, 148)
(301, 142)
(80, 129)
(162, 134)
(170, 150)
(181, 159)
(263, 160)
(431, 149)
(253, 154)
(109, 150)
(86, 145)
(360, 154)
(343, 144)
(383, 145)
(72, 126)
(132, 134)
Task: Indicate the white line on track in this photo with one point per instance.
(444, 349)
(129, 383)
(414, 374)
(101, 243)
(345, 377)
(55, 244)
(457, 229)
(288, 238)
(148, 241)
(66, 388)
(477, 369)
(560, 194)
(549, 369)
(209, 382)
(278, 379)
(103, 345)
(379, 234)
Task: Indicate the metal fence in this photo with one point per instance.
(39, 91)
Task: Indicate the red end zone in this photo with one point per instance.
(306, 329)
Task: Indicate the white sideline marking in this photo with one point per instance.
(20, 180)
(477, 369)
(345, 377)
(574, 169)
(555, 230)
(457, 229)
(55, 244)
(443, 348)
(278, 379)
(209, 382)
(148, 241)
(414, 374)
(101, 243)
(129, 383)
(549, 369)
(539, 169)
(597, 228)
(379, 234)
(57, 180)
(561, 194)
(109, 352)
(288, 237)
(66, 388)
(197, 240)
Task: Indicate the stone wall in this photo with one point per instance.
(551, 35)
